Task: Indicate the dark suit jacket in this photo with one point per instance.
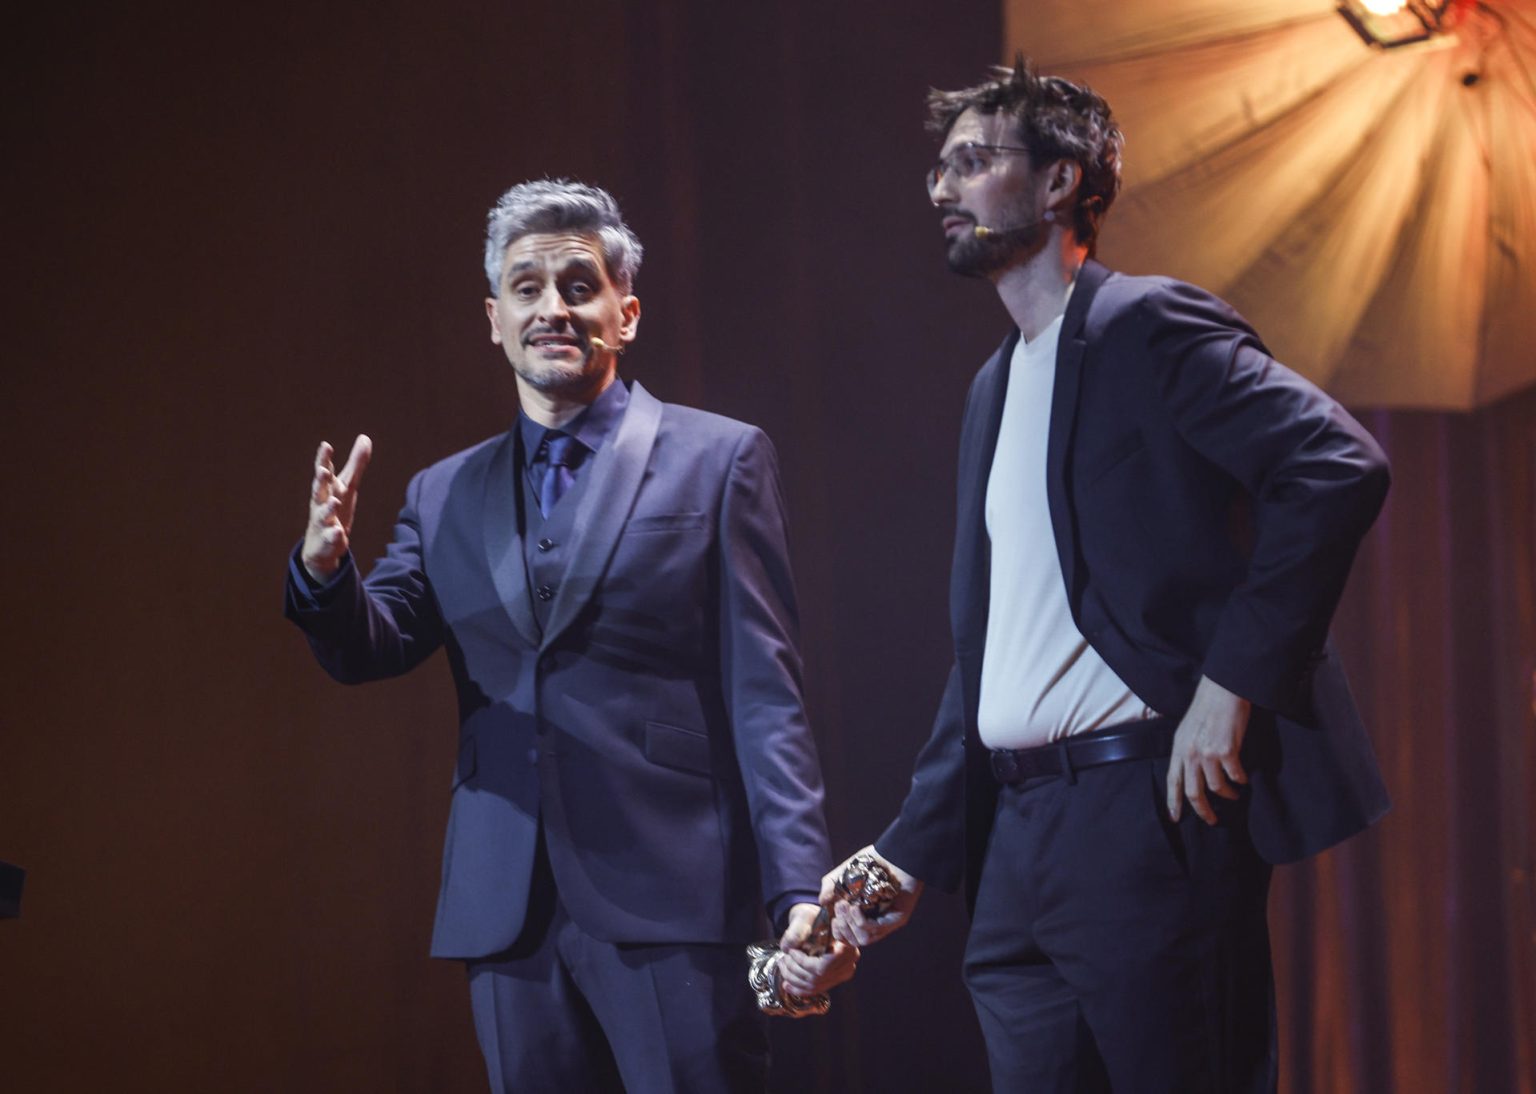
(1207, 504)
(655, 723)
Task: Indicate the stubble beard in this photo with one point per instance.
(970, 256)
(559, 378)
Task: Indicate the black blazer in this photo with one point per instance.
(1207, 504)
(655, 723)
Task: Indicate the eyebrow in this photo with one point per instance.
(584, 265)
(580, 265)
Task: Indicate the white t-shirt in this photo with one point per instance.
(1040, 679)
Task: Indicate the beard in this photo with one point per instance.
(561, 377)
(970, 256)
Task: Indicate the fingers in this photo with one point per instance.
(800, 931)
(1194, 792)
(1190, 780)
(830, 878)
(1217, 782)
(1207, 748)
(319, 487)
(357, 461)
(797, 972)
(805, 975)
(849, 925)
(331, 504)
(852, 926)
(794, 936)
(848, 928)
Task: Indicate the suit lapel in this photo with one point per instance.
(1070, 347)
(503, 544)
(970, 585)
(613, 481)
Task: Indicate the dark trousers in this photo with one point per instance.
(1111, 949)
(563, 1011)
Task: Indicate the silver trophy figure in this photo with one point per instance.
(865, 884)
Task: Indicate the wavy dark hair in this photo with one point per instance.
(1057, 120)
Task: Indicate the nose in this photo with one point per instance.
(941, 192)
(552, 307)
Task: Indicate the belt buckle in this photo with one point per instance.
(1005, 766)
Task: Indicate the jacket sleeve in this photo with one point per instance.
(369, 630)
(761, 675)
(927, 838)
(1316, 477)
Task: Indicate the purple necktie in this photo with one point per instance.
(562, 454)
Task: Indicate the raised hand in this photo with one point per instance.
(332, 504)
(1205, 751)
(850, 924)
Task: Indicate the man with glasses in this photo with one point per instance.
(636, 783)
(1156, 520)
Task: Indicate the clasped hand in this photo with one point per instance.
(850, 924)
(804, 971)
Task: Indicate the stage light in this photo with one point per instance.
(1388, 24)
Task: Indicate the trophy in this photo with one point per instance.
(865, 884)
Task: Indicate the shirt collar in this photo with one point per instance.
(591, 427)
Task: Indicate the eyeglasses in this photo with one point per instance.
(968, 160)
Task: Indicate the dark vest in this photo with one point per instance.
(546, 540)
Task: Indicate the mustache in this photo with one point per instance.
(570, 331)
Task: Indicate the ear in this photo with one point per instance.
(630, 306)
(1062, 180)
(490, 313)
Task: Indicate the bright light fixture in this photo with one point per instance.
(1387, 24)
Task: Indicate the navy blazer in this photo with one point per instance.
(655, 724)
(1207, 504)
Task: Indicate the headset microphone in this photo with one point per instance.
(600, 344)
(981, 231)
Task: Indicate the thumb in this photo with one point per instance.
(798, 928)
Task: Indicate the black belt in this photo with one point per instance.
(1129, 741)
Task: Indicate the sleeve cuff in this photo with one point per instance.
(779, 906)
(306, 588)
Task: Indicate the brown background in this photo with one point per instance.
(231, 233)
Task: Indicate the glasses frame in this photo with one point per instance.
(945, 164)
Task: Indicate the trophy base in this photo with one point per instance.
(772, 998)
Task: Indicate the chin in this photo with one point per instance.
(971, 257)
(556, 379)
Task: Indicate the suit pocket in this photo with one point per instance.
(665, 522)
(677, 748)
(1115, 457)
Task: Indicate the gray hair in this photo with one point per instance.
(560, 205)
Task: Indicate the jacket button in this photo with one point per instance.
(533, 755)
(546, 592)
(546, 544)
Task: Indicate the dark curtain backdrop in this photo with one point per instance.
(230, 233)
(1406, 958)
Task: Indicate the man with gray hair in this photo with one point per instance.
(636, 784)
